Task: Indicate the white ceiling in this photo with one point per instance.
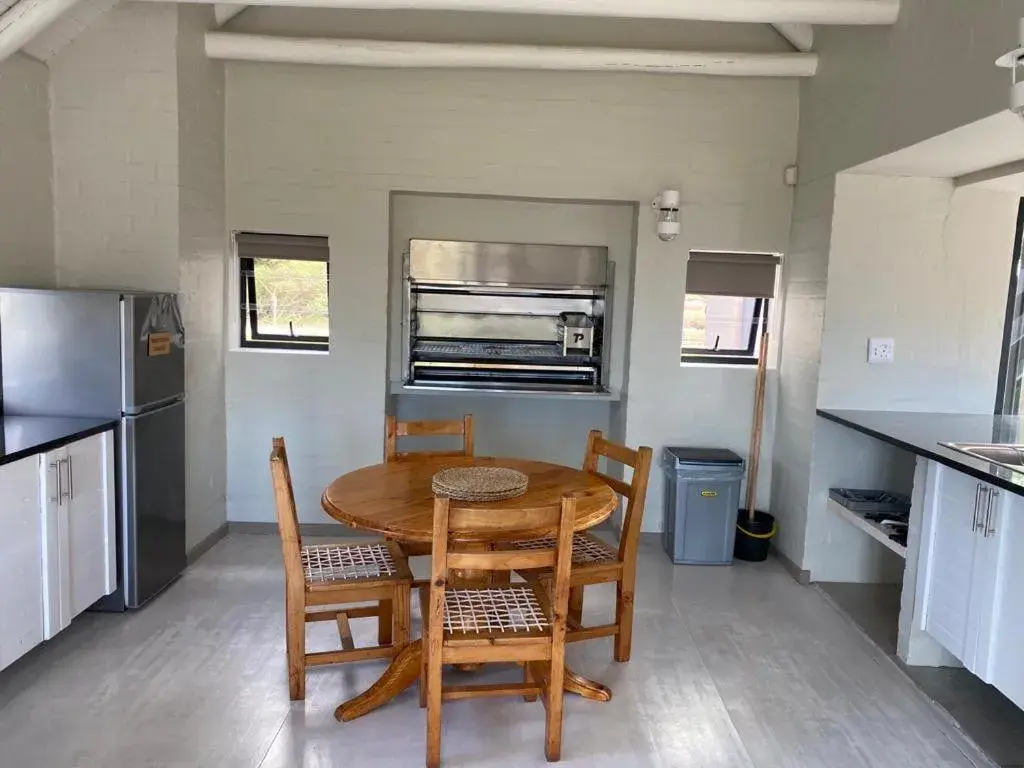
(71, 24)
(5, 4)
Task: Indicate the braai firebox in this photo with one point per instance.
(507, 317)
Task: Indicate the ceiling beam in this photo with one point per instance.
(20, 23)
(800, 36)
(377, 53)
(225, 12)
(754, 11)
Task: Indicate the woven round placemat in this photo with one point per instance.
(479, 483)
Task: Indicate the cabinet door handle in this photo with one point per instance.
(977, 505)
(65, 492)
(71, 478)
(990, 524)
(55, 466)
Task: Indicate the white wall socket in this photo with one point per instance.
(881, 350)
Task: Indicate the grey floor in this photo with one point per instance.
(732, 667)
(991, 720)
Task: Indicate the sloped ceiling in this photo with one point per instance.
(69, 26)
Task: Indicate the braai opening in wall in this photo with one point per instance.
(727, 308)
(283, 291)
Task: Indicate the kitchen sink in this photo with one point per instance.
(1009, 456)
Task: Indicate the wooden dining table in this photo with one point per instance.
(395, 499)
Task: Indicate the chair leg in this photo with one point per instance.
(528, 678)
(624, 618)
(295, 647)
(385, 622)
(423, 678)
(553, 727)
(576, 605)
(434, 713)
(402, 618)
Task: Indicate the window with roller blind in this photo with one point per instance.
(283, 291)
(728, 304)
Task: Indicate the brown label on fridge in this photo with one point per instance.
(159, 344)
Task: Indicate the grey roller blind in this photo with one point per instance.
(732, 274)
(254, 245)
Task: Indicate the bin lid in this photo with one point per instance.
(686, 455)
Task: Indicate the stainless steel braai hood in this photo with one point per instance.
(506, 317)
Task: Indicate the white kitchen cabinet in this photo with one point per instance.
(971, 576)
(1005, 668)
(21, 596)
(79, 555)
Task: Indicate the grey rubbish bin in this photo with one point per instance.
(702, 499)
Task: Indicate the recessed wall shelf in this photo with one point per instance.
(874, 530)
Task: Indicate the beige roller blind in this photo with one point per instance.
(254, 245)
(732, 274)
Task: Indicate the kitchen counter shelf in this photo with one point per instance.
(874, 530)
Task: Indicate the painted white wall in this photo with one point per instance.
(26, 199)
(318, 151)
(928, 265)
(137, 124)
(878, 90)
(203, 244)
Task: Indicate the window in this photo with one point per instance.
(283, 291)
(1011, 369)
(726, 312)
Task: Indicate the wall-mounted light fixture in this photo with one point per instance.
(1014, 61)
(667, 216)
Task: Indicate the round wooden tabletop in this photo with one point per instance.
(395, 499)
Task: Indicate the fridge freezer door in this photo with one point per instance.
(153, 501)
(154, 350)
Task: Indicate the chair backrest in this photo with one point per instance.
(635, 492)
(395, 429)
(465, 518)
(287, 514)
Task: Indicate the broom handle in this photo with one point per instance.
(755, 436)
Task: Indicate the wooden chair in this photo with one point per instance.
(594, 561)
(332, 575)
(395, 429)
(519, 622)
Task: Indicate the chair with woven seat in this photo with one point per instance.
(327, 576)
(521, 623)
(394, 429)
(594, 561)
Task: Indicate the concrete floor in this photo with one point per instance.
(732, 667)
(988, 718)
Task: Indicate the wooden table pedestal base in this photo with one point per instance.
(404, 670)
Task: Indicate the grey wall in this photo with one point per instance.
(319, 150)
(878, 90)
(26, 198)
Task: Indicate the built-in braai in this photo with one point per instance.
(499, 316)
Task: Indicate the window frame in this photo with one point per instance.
(248, 311)
(1011, 361)
(758, 327)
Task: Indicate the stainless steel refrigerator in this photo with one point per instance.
(117, 354)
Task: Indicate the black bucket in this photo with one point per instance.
(754, 537)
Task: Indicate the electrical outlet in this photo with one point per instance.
(881, 350)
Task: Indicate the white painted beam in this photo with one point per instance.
(800, 36)
(22, 22)
(225, 12)
(754, 11)
(376, 53)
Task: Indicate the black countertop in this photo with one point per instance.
(25, 436)
(921, 433)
